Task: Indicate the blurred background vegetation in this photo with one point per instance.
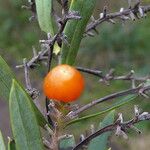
(120, 46)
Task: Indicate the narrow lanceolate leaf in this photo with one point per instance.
(45, 17)
(40, 118)
(24, 125)
(2, 144)
(11, 144)
(75, 28)
(67, 143)
(6, 77)
(116, 105)
(100, 142)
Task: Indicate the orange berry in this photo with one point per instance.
(63, 83)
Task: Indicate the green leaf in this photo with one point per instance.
(74, 29)
(6, 77)
(116, 105)
(67, 143)
(100, 142)
(24, 125)
(2, 144)
(45, 17)
(11, 144)
(40, 118)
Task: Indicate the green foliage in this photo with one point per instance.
(6, 77)
(11, 144)
(127, 45)
(2, 144)
(67, 143)
(116, 105)
(74, 29)
(23, 120)
(100, 142)
(45, 17)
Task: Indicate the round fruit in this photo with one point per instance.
(63, 83)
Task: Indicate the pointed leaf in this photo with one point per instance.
(24, 125)
(45, 17)
(116, 105)
(2, 144)
(40, 118)
(6, 77)
(74, 29)
(11, 144)
(100, 142)
(67, 143)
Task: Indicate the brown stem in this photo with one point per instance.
(112, 127)
(136, 90)
(125, 12)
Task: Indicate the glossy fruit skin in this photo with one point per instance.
(63, 83)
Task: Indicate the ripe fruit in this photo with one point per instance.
(63, 83)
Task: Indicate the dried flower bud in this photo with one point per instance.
(82, 137)
(121, 9)
(101, 15)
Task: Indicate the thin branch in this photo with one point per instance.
(26, 72)
(122, 14)
(34, 93)
(47, 101)
(89, 138)
(110, 76)
(97, 73)
(50, 42)
(138, 90)
(120, 127)
(35, 59)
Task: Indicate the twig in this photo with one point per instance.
(97, 73)
(47, 101)
(50, 42)
(138, 90)
(110, 76)
(34, 93)
(35, 59)
(120, 127)
(121, 14)
(26, 72)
